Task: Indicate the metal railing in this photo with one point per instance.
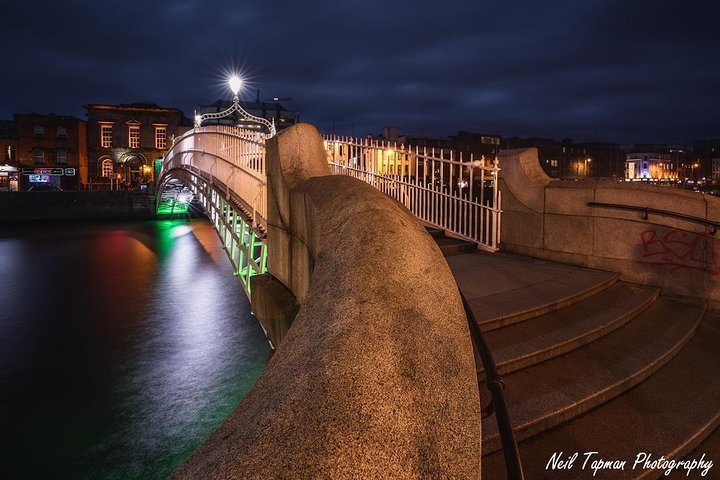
(235, 155)
(496, 386)
(645, 211)
(458, 195)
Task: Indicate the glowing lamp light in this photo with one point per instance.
(184, 198)
(235, 84)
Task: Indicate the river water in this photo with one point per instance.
(122, 347)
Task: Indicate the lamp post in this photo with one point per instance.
(235, 82)
(587, 160)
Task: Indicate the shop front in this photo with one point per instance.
(8, 178)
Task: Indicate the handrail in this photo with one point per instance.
(714, 226)
(496, 385)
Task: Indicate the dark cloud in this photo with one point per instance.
(597, 69)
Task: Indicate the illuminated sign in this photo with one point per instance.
(39, 178)
(46, 171)
(70, 171)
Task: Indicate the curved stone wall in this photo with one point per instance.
(552, 220)
(376, 377)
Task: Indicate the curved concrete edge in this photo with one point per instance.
(290, 160)
(552, 220)
(524, 177)
(376, 378)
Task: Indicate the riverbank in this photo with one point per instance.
(31, 206)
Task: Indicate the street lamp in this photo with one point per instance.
(587, 160)
(235, 82)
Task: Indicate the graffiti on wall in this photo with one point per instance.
(675, 249)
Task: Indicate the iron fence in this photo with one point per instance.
(459, 195)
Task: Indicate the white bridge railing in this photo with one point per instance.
(234, 156)
(458, 195)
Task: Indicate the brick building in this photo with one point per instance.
(126, 143)
(51, 150)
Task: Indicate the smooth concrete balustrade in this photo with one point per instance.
(376, 376)
(553, 220)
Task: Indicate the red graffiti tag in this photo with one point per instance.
(678, 249)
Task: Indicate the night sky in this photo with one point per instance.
(624, 71)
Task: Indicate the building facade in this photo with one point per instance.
(51, 151)
(126, 143)
(716, 169)
(650, 166)
(477, 145)
(9, 177)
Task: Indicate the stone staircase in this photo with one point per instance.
(593, 364)
(449, 245)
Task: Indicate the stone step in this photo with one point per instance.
(448, 245)
(503, 289)
(545, 395)
(454, 246)
(435, 232)
(555, 333)
(708, 450)
(669, 415)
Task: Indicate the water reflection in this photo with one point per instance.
(122, 348)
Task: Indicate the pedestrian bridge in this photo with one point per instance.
(224, 169)
(376, 378)
(322, 407)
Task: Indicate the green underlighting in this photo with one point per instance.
(172, 208)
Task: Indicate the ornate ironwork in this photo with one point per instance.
(244, 115)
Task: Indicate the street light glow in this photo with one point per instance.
(184, 198)
(235, 83)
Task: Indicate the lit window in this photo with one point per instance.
(61, 132)
(61, 155)
(39, 155)
(160, 138)
(134, 136)
(39, 131)
(10, 153)
(107, 168)
(106, 136)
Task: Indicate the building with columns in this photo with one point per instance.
(126, 142)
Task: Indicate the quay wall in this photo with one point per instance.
(30, 206)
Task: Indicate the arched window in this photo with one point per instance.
(107, 168)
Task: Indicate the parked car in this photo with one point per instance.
(45, 188)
